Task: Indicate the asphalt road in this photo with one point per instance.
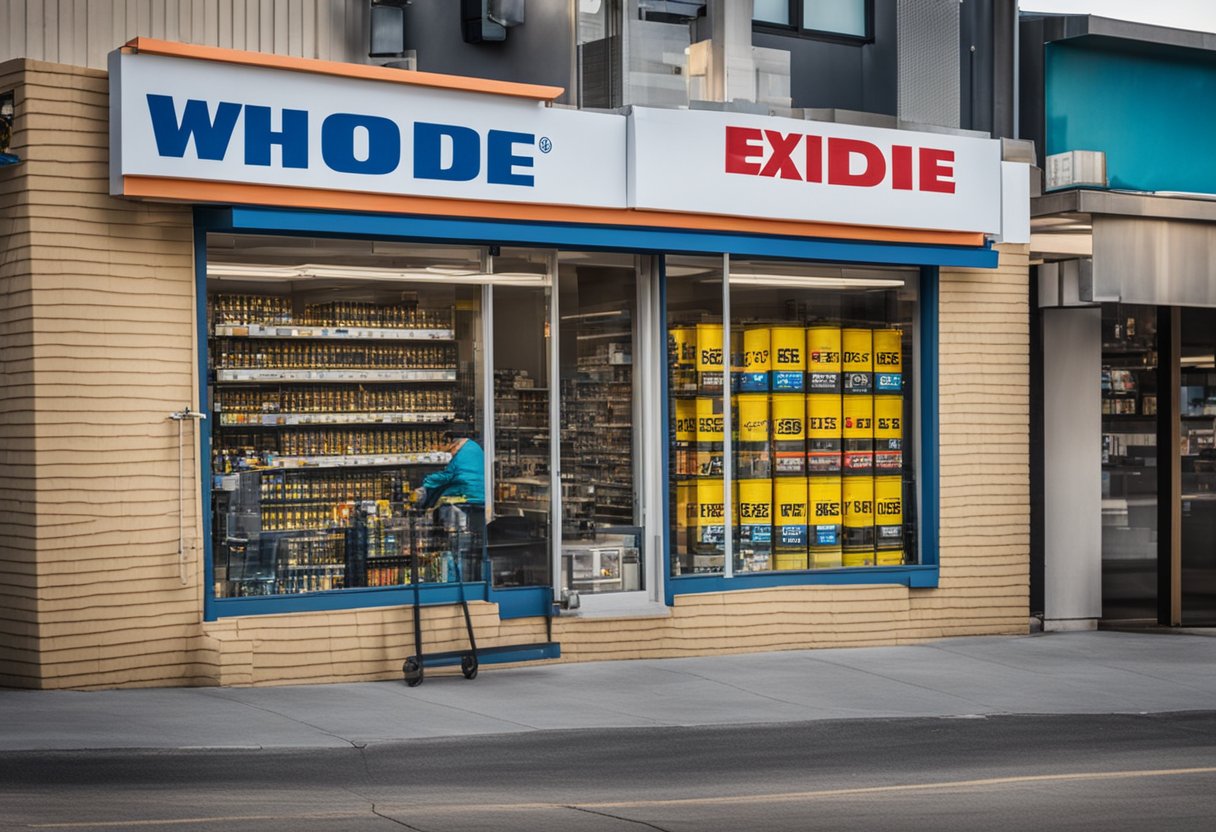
(996, 773)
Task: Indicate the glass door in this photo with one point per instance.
(520, 514)
(1129, 462)
(602, 537)
(1197, 453)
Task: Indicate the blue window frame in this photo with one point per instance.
(925, 573)
(535, 600)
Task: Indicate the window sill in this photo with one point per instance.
(342, 599)
(912, 576)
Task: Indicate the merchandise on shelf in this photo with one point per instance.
(307, 474)
(819, 477)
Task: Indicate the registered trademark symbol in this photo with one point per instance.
(545, 144)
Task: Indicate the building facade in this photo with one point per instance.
(724, 416)
(1124, 230)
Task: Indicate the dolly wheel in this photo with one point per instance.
(412, 670)
(468, 666)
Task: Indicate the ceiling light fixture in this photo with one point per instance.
(253, 271)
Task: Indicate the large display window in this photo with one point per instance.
(791, 425)
(343, 376)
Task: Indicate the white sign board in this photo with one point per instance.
(187, 119)
(221, 122)
(714, 162)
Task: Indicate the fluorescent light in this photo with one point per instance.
(810, 282)
(583, 316)
(252, 271)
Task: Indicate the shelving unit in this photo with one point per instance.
(292, 515)
(521, 450)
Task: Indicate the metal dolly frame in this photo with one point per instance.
(413, 668)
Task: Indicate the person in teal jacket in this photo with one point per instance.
(464, 476)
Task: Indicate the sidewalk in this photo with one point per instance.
(1060, 673)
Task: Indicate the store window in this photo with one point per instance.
(518, 533)
(822, 474)
(600, 453)
(839, 18)
(696, 350)
(338, 372)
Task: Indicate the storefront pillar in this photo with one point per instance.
(1072, 348)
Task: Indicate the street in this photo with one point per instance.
(1119, 771)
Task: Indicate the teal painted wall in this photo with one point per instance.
(1153, 114)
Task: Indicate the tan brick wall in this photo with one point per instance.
(97, 307)
(18, 522)
(105, 293)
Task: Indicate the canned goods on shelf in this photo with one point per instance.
(823, 368)
(825, 423)
(788, 358)
(856, 360)
(789, 433)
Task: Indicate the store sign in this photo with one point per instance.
(211, 121)
(183, 120)
(713, 162)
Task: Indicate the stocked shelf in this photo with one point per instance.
(345, 333)
(326, 416)
(290, 419)
(359, 460)
(264, 375)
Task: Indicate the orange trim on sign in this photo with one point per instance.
(152, 46)
(279, 196)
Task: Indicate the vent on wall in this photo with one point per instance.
(927, 39)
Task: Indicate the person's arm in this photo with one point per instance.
(435, 483)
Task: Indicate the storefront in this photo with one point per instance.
(1125, 292)
(741, 382)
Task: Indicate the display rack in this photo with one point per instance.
(315, 436)
(521, 445)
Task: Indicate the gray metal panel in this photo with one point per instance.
(844, 76)
(1072, 464)
(538, 52)
(928, 37)
(1153, 261)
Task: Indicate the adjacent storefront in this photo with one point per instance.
(703, 352)
(1125, 291)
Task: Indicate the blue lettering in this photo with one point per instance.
(338, 144)
(210, 137)
(466, 152)
(293, 138)
(501, 162)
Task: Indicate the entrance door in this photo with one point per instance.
(601, 450)
(1129, 462)
(1197, 455)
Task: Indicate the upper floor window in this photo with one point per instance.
(839, 18)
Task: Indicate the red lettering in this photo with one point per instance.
(901, 167)
(814, 158)
(780, 162)
(840, 155)
(743, 145)
(935, 166)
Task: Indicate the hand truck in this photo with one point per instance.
(469, 659)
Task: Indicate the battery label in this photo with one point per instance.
(793, 536)
(753, 382)
(823, 382)
(857, 382)
(888, 382)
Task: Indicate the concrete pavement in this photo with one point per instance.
(1058, 673)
